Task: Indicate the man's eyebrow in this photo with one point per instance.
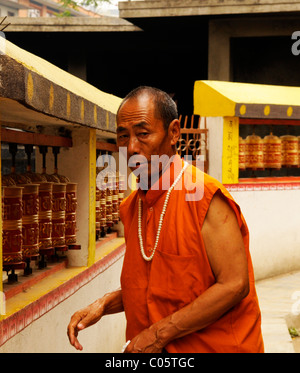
(141, 124)
(120, 129)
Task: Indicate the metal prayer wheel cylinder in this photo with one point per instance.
(109, 195)
(289, 154)
(298, 151)
(71, 206)
(45, 215)
(121, 188)
(254, 153)
(115, 200)
(272, 151)
(98, 212)
(242, 155)
(12, 225)
(58, 215)
(30, 220)
(102, 212)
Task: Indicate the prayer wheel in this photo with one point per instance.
(121, 188)
(115, 199)
(58, 215)
(71, 206)
(12, 225)
(254, 152)
(7, 180)
(45, 216)
(30, 220)
(98, 211)
(298, 151)
(102, 212)
(289, 151)
(242, 154)
(109, 207)
(272, 151)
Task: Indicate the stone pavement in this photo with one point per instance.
(279, 300)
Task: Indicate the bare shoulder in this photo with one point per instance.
(220, 213)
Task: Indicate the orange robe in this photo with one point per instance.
(180, 271)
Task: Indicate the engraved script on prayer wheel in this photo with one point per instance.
(109, 194)
(71, 206)
(289, 151)
(242, 156)
(115, 199)
(58, 215)
(30, 220)
(272, 151)
(98, 211)
(121, 188)
(45, 215)
(102, 206)
(12, 225)
(254, 152)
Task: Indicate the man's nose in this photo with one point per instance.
(133, 146)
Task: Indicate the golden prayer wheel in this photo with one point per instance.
(109, 207)
(58, 215)
(45, 215)
(289, 152)
(30, 220)
(272, 151)
(298, 151)
(12, 225)
(115, 199)
(242, 155)
(102, 212)
(121, 188)
(98, 212)
(254, 152)
(71, 206)
(7, 180)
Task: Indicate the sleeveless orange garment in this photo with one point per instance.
(180, 271)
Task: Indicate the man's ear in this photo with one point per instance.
(174, 131)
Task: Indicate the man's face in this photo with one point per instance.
(142, 133)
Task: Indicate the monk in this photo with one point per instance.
(187, 282)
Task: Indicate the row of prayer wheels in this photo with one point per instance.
(109, 195)
(39, 215)
(269, 152)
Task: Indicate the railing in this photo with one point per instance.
(193, 139)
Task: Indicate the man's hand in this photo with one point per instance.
(145, 342)
(82, 319)
(108, 304)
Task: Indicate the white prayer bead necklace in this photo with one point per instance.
(149, 258)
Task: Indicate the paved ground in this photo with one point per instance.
(279, 300)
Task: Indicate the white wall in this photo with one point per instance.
(273, 219)
(49, 333)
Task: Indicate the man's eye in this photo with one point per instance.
(143, 134)
(122, 137)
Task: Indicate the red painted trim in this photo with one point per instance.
(280, 122)
(13, 324)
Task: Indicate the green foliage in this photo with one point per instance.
(68, 5)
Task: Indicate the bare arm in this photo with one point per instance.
(110, 303)
(226, 253)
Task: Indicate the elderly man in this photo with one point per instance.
(187, 281)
